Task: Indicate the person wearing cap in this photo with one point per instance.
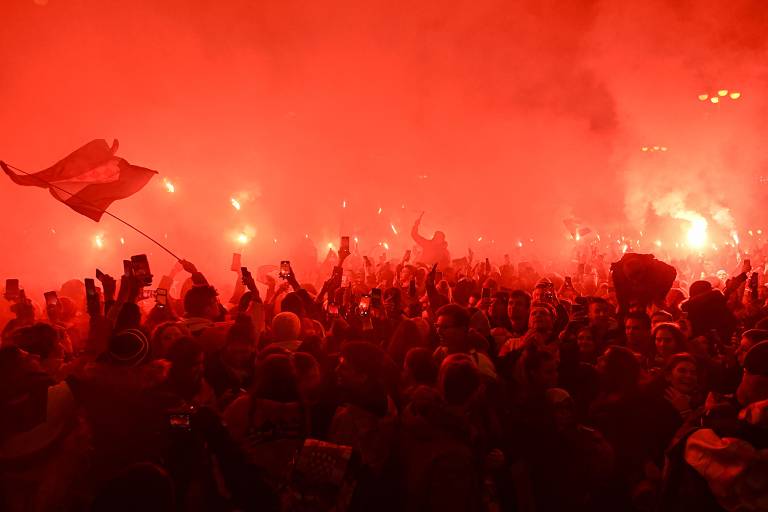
(722, 464)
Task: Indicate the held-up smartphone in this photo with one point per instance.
(11, 289)
(51, 299)
(568, 282)
(236, 262)
(285, 269)
(376, 297)
(91, 296)
(246, 274)
(161, 297)
(364, 306)
(140, 265)
(344, 246)
(179, 422)
(127, 268)
(99, 274)
(485, 294)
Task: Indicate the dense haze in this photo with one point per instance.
(499, 119)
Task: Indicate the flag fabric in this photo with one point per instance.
(88, 180)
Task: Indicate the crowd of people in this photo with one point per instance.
(425, 384)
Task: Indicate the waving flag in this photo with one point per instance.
(88, 180)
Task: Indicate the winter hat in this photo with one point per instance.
(129, 347)
(286, 326)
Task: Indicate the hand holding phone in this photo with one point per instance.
(248, 279)
(364, 307)
(92, 303)
(285, 270)
(140, 265)
(746, 266)
(161, 297)
(344, 247)
(11, 289)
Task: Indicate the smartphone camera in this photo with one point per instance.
(180, 422)
(344, 246)
(11, 289)
(140, 266)
(285, 269)
(364, 307)
(161, 297)
(51, 299)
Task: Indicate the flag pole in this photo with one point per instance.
(91, 205)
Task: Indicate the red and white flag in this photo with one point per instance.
(88, 180)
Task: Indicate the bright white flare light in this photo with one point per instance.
(169, 186)
(394, 230)
(735, 95)
(386, 245)
(697, 233)
(242, 238)
(98, 241)
(235, 203)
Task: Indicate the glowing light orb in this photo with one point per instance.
(235, 203)
(385, 245)
(714, 99)
(735, 95)
(697, 233)
(658, 243)
(356, 240)
(98, 241)
(735, 237)
(169, 186)
(703, 97)
(759, 231)
(242, 238)
(644, 148)
(122, 241)
(379, 212)
(479, 239)
(394, 230)
(722, 92)
(344, 203)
